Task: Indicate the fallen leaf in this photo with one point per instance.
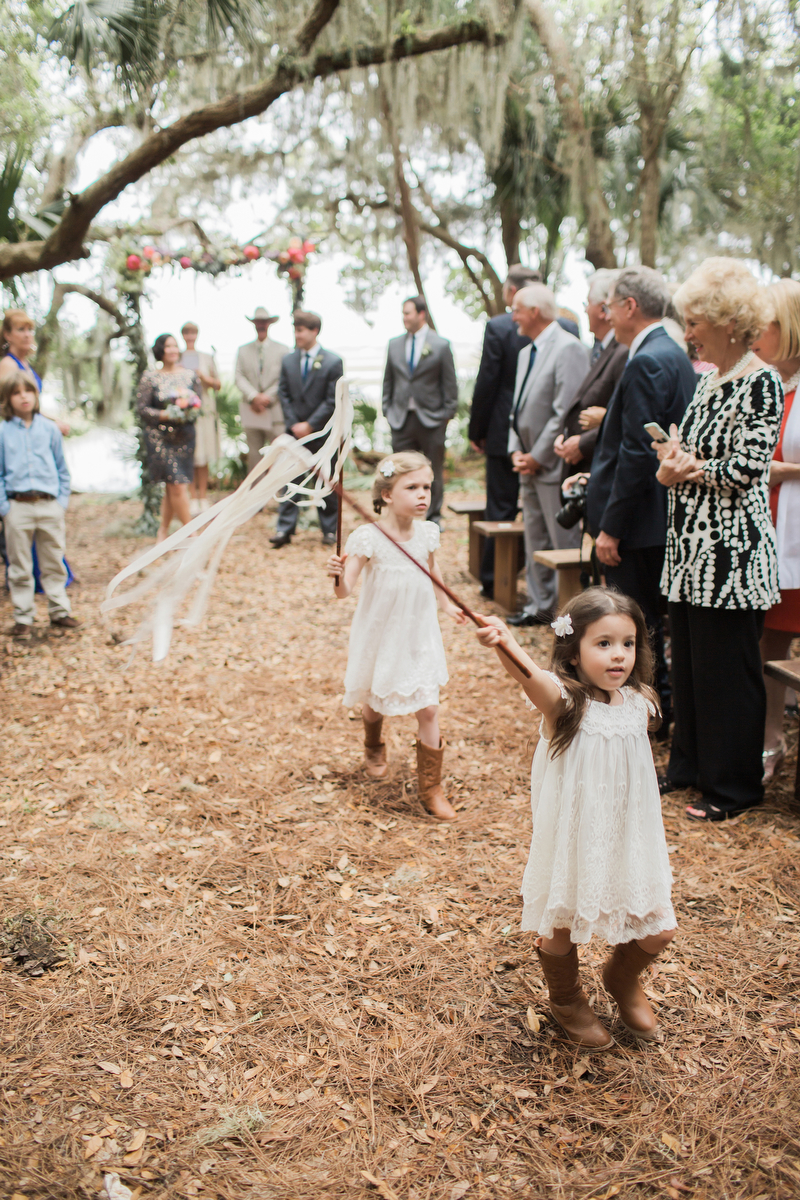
(429, 1085)
(580, 1068)
(215, 756)
(231, 1007)
(109, 1066)
(115, 1189)
(137, 1141)
(125, 1078)
(340, 1125)
(383, 1187)
(614, 1190)
(345, 892)
(330, 947)
(92, 1146)
(459, 1189)
(782, 960)
(394, 1042)
(524, 1094)
(475, 1121)
(342, 863)
(533, 1021)
(671, 1143)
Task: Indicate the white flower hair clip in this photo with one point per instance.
(387, 470)
(562, 626)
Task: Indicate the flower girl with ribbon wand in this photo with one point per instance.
(598, 860)
(396, 661)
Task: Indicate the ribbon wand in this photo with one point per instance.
(472, 616)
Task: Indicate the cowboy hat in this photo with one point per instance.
(261, 314)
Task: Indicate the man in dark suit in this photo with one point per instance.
(575, 445)
(491, 411)
(420, 393)
(307, 391)
(626, 508)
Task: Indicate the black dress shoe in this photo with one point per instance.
(329, 539)
(281, 539)
(523, 618)
(487, 593)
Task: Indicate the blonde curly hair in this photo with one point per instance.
(722, 290)
(390, 469)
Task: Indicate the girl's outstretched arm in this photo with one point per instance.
(344, 570)
(442, 599)
(539, 689)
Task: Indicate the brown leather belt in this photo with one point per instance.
(29, 497)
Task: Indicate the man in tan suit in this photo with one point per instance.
(258, 368)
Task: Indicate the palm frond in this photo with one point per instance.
(10, 179)
(123, 33)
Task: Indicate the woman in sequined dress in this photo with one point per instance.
(169, 444)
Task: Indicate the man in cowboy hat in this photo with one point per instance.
(258, 369)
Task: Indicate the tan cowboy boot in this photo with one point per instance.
(374, 748)
(568, 1002)
(621, 978)
(429, 782)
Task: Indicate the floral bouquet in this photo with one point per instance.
(182, 407)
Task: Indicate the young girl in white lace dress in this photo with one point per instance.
(396, 662)
(598, 860)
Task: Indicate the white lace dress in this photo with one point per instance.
(396, 660)
(598, 860)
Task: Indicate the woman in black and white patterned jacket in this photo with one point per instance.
(720, 570)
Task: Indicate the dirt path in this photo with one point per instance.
(276, 980)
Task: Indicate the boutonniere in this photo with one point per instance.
(426, 350)
(317, 365)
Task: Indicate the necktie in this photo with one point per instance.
(306, 361)
(521, 391)
(597, 350)
(411, 356)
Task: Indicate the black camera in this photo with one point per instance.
(574, 508)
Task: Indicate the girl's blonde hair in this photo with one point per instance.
(784, 295)
(389, 471)
(11, 384)
(584, 610)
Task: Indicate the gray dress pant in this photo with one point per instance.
(540, 502)
(413, 435)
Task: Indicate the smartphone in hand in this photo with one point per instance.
(656, 432)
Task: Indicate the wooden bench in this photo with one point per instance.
(509, 553)
(789, 674)
(474, 510)
(569, 564)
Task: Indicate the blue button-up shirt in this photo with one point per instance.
(32, 460)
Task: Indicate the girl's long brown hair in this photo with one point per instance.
(584, 610)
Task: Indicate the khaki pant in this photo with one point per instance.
(256, 438)
(44, 520)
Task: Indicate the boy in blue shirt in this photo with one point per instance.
(34, 493)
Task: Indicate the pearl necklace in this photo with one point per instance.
(717, 382)
(789, 385)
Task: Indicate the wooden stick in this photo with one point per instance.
(339, 495)
(474, 617)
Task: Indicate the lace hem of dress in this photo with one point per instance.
(614, 927)
(395, 704)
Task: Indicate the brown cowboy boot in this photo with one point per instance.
(429, 782)
(568, 1002)
(621, 978)
(374, 748)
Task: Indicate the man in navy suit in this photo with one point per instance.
(491, 411)
(626, 509)
(307, 392)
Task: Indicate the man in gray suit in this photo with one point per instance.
(307, 392)
(549, 372)
(420, 392)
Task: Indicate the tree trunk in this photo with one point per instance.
(584, 166)
(650, 191)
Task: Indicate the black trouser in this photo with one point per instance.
(502, 501)
(720, 703)
(415, 436)
(639, 576)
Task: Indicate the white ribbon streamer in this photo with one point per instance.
(283, 461)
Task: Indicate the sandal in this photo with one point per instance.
(773, 760)
(704, 810)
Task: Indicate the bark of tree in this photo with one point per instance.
(407, 212)
(296, 65)
(584, 166)
(657, 91)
